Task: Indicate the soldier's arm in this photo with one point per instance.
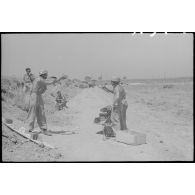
(50, 82)
(108, 90)
(55, 81)
(64, 98)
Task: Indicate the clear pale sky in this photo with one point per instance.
(78, 55)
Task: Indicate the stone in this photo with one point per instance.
(14, 140)
(58, 155)
(8, 121)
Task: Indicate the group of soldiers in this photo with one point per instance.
(37, 87)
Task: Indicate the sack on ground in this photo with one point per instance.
(108, 131)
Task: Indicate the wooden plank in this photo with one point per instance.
(26, 135)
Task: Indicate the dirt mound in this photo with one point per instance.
(94, 98)
(87, 105)
(12, 93)
(16, 148)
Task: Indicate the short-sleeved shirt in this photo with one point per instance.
(39, 86)
(119, 95)
(28, 78)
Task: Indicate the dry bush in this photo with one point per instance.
(11, 92)
(83, 85)
(168, 86)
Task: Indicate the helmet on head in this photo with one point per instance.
(115, 79)
(27, 68)
(43, 72)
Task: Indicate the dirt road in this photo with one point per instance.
(165, 115)
(167, 137)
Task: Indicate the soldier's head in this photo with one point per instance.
(43, 74)
(115, 81)
(59, 92)
(28, 70)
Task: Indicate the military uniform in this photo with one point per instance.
(120, 105)
(28, 79)
(36, 110)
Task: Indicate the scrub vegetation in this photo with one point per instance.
(164, 114)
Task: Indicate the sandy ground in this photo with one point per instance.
(165, 115)
(18, 149)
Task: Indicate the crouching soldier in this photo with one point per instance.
(60, 101)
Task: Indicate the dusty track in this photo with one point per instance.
(164, 115)
(165, 137)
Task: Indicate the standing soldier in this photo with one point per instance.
(28, 79)
(36, 110)
(120, 105)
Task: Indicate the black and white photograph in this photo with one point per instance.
(97, 97)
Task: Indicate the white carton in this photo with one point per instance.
(130, 137)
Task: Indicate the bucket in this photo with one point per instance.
(34, 136)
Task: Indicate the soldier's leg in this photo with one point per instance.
(31, 117)
(24, 89)
(57, 106)
(115, 118)
(123, 117)
(27, 101)
(41, 119)
(120, 118)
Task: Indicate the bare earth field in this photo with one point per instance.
(164, 114)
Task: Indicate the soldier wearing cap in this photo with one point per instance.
(28, 79)
(120, 105)
(36, 110)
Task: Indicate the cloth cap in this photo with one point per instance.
(115, 79)
(42, 72)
